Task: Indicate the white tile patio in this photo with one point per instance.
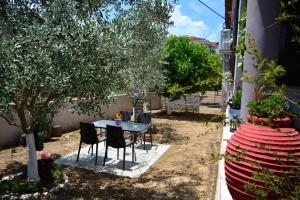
(113, 166)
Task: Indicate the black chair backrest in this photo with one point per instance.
(139, 106)
(125, 116)
(115, 136)
(88, 133)
(144, 118)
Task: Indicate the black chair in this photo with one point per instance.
(146, 119)
(125, 116)
(115, 139)
(88, 135)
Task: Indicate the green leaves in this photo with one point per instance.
(145, 25)
(75, 51)
(271, 107)
(189, 67)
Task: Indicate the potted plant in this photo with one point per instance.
(261, 156)
(235, 106)
(45, 164)
(271, 111)
(118, 119)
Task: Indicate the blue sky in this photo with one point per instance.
(192, 18)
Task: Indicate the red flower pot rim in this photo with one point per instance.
(279, 122)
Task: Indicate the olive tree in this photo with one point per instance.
(147, 25)
(54, 52)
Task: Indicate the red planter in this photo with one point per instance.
(257, 144)
(276, 122)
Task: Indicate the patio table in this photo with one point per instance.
(132, 127)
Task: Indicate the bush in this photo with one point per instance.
(271, 107)
(57, 174)
(28, 187)
(235, 102)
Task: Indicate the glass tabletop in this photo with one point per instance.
(126, 126)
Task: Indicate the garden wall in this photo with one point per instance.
(10, 135)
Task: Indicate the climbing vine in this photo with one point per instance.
(241, 47)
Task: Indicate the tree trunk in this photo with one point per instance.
(32, 167)
(168, 106)
(133, 114)
(185, 104)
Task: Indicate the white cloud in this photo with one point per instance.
(184, 25)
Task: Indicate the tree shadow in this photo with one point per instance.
(188, 116)
(13, 168)
(90, 185)
(165, 134)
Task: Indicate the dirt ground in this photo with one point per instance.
(185, 171)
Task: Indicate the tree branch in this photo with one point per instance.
(9, 121)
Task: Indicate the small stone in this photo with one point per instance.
(65, 177)
(45, 193)
(13, 198)
(6, 196)
(6, 178)
(19, 174)
(25, 196)
(61, 185)
(36, 195)
(66, 181)
(53, 190)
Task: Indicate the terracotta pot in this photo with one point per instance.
(257, 145)
(276, 122)
(57, 131)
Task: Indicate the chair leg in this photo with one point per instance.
(151, 140)
(96, 154)
(117, 153)
(124, 158)
(132, 152)
(105, 156)
(79, 150)
(144, 141)
(91, 148)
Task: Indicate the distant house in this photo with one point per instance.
(211, 46)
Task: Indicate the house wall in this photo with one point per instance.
(263, 27)
(10, 135)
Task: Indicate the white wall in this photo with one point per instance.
(10, 135)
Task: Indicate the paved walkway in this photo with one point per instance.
(222, 192)
(113, 165)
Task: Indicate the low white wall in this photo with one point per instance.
(10, 135)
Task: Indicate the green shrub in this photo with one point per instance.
(235, 102)
(27, 187)
(57, 174)
(271, 107)
(5, 185)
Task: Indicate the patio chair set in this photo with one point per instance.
(113, 136)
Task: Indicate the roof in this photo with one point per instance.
(204, 41)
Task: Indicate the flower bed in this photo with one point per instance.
(17, 186)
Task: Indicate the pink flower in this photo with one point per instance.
(45, 155)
